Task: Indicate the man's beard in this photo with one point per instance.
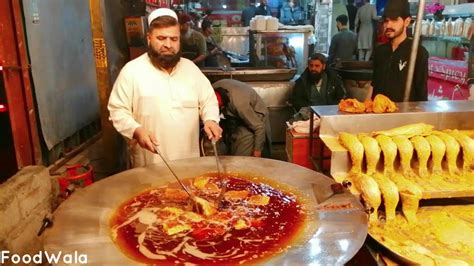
(395, 33)
(315, 77)
(165, 61)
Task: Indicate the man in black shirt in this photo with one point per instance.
(248, 13)
(263, 9)
(344, 44)
(351, 13)
(391, 59)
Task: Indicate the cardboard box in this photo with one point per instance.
(297, 150)
(135, 28)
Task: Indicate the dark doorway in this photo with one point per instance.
(8, 165)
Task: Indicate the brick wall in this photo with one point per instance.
(24, 201)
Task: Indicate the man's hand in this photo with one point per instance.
(145, 139)
(215, 51)
(257, 153)
(213, 130)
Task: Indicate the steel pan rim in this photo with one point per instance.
(351, 236)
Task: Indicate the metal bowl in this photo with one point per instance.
(354, 70)
(332, 237)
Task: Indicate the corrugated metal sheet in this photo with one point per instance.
(63, 68)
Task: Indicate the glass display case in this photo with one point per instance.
(283, 48)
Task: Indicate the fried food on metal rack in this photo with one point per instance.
(389, 149)
(411, 130)
(370, 192)
(423, 152)
(382, 104)
(351, 106)
(410, 194)
(405, 149)
(372, 152)
(389, 193)
(438, 149)
(355, 148)
(467, 145)
(452, 150)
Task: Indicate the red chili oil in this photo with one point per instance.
(272, 229)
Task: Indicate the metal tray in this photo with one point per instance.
(250, 74)
(400, 257)
(332, 237)
(441, 114)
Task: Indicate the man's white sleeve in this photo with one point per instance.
(209, 108)
(120, 104)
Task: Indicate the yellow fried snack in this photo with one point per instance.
(382, 104)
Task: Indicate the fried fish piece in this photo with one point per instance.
(372, 152)
(411, 130)
(369, 105)
(410, 194)
(351, 106)
(405, 149)
(467, 145)
(200, 182)
(355, 148)
(260, 200)
(207, 208)
(423, 150)
(389, 193)
(382, 104)
(236, 195)
(389, 149)
(452, 150)
(175, 195)
(438, 149)
(370, 192)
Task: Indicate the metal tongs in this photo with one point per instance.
(196, 205)
(223, 181)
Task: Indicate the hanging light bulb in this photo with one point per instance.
(3, 108)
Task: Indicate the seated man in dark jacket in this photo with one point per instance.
(317, 85)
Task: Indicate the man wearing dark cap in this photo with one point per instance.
(193, 43)
(317, 85)
(391, 59)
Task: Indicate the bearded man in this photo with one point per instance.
(317, 85)
(391, 59)
(158, 98)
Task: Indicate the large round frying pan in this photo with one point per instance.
(332, 237)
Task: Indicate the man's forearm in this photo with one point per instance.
(259, 138)
(199, 59)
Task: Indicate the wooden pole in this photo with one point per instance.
(110, 138)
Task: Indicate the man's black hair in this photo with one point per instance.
(342, 19)
(318, 56)
(224, 95)
(206, 24)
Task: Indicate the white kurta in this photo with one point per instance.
(168, 105)
(366, 14)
